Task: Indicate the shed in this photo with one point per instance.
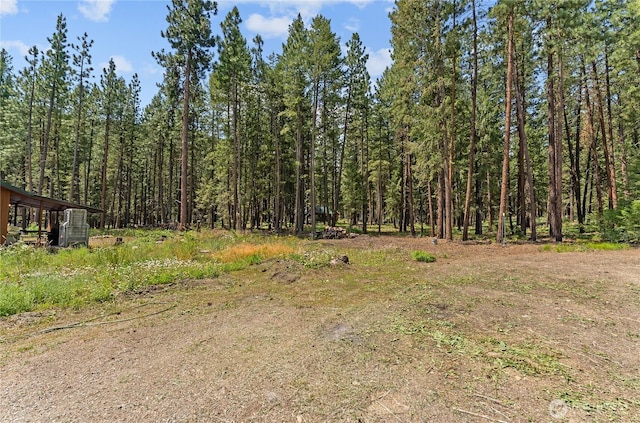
(17, 197)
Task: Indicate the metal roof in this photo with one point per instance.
(22, 198)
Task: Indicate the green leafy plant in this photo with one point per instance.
(423, 256)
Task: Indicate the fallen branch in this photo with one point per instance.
(490, 399)
(104, 322)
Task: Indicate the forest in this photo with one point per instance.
(490, 120)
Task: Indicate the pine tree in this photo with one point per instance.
(108, 87)
(233, 71)
(55, 68)
(324, 67)
(11, 152)
(294, 74)
(82, 62)
(189, 34)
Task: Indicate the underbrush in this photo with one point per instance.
(38, 278)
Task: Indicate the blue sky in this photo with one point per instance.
(128, 30)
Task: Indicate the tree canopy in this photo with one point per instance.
(490, 118)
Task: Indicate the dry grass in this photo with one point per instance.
(247, 251)
(485, 333)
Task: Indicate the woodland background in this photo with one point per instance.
(522, 114)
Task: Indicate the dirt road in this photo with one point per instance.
(486, 333)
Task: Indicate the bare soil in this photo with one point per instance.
(486, 333)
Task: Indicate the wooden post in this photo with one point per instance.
(5, 197)
(39, 222)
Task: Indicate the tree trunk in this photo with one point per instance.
(606, 144)
(553, 212)
(410, 211)
(336, 198)
(574, 160)
(478, 195)
(524, 148)
(28, 161)
(73, 186)
(235, 167)
(105, 161)
(623, 161)
(184, 149)
(44, 151)
(299, 208)
(623, 164)
(312, 160)
(507, 134)
(440, 200)
(472, 140)
(365, 170)
(277, 207)
(594, 154)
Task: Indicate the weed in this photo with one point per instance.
(31, 278)
(13, 299)
(253, 253)
(423, 256)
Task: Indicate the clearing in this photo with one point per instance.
(485, 333)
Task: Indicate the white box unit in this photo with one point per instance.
(75, 229)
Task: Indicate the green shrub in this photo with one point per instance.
(623, 223)
(423, 256)
(14, 299)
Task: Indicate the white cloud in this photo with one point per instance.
(21, 47)
(122, 64)
(361, 3)
(352, 25)
(378, 61)
(268, 27)
(152, 69)
(8, 7)
(96, 10)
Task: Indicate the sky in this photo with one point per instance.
(129, 30)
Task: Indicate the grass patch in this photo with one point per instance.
(423, 257)
(254, 253)
(37, 278)
(586, 246)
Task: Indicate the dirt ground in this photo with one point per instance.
(486, 333)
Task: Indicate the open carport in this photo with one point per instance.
(17, 197)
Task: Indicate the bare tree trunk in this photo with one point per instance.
(364, 136)
(440, 200)
(410, 196)
(403, 185)
(507, 134)
(528, 173)
(105, 161)
(184, 149)
(594, 153)
(432, 222)
(574, 158)
(299, 208)
(554, 226)
(472, 141)
(623, 162)
(451, 147)
(44, 151)
(338, 183)
(87, 172)
(478, 201)
(74, 184)
(277, 207)
(606, 148)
